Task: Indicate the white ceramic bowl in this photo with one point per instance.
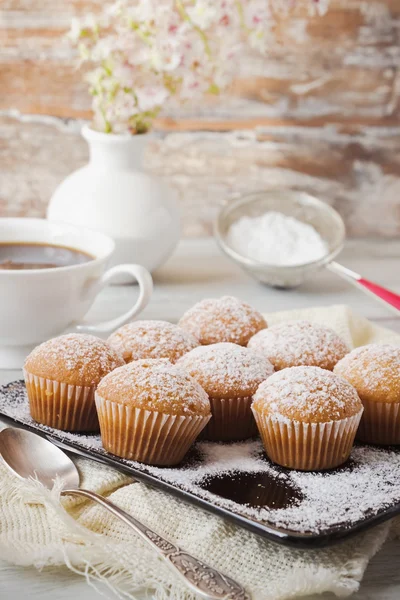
(299, 205)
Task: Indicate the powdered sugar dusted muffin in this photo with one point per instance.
(152, 339)
(61, 376)
(374, 371)
(297, 343)
(225, 319)
(151, 411)
(230, 374)
(307, 418)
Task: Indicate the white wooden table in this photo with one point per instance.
(198, 270)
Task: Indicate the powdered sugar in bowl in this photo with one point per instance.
(280, 237)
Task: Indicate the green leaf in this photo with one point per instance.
(213, 89)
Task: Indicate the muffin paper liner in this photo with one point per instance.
(232, 420)
(380, 423)
(146, 436)
(60, 405)
(307, 446)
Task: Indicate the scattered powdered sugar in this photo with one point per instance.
(225, 319)
(367, 485)
(276, 239)
(75, 358)
(155, 384)
(226, 370)
(375, 368)
(307, 393)
(348, 494)
(295, 343)
(152, 339)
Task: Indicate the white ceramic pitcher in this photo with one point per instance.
(112, 194)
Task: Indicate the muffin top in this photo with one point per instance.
(152, 339)
(296, 343)
(74, 358)
(225, 319)
(307, 394)
(156, 385)
(226, 370)
(374, 371)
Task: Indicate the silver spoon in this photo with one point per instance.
(28, 455)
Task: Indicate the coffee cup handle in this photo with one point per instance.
(145, 281)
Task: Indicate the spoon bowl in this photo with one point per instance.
(30, 456)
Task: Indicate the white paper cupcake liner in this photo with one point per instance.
(307, 446)
(146, 436)
(380, 423)
(232, 420)
(60, 405)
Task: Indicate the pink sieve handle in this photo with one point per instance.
(390, 299)
(386, 295)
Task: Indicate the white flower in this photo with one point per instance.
(89, 22)
(75, 30)
(156, 60)
(150, 98)
(164, 61)
(124, 74)
(102, 50)
(125, 106)
(95, 77)
(202, 15)
(257, 41)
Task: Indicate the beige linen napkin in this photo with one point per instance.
(35, 530)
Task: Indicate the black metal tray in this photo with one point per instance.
(250, 496)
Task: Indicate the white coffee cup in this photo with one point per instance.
(37, 304)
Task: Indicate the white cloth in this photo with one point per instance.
(35, 530)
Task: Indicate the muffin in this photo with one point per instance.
(307, 418)
(298, 343)
(152, 339)
(230, 374)
(151, 411)
(225, 319)
(61, 376)
(374, 371)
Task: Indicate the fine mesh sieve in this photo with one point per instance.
(308, 209)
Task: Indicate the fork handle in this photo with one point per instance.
(204, 580)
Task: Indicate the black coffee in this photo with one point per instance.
(20, 255)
